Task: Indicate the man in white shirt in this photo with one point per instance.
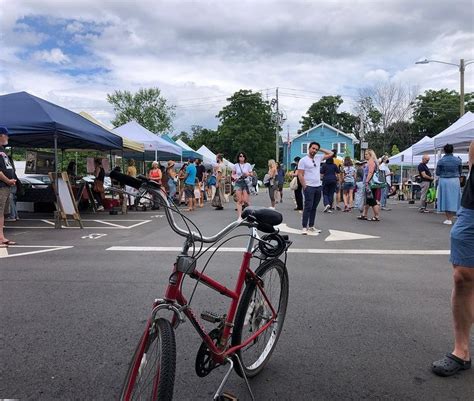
(310, 178)
(388, 179)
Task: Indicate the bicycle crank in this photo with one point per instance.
(204, 361)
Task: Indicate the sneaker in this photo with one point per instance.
(100, 208)
(10, 219)
(271, 208)
(326, 208)
(448, 222)
(304, 231)
(330, 211)
(422, 210)
(314, 230)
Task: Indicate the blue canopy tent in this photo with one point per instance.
(34, 122)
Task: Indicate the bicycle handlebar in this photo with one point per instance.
(156, 189)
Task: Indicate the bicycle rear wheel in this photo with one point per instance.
(151, 372)
(253, 312)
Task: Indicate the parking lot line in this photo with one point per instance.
(293, 250)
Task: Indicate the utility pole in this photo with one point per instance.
(277, 133)
(363, 145)
(461, 73)
(288, 148)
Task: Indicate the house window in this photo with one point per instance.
(339, 146)
(304, 148)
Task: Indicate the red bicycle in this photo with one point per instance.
(245, 337)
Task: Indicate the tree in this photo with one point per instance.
(147, 107)
(395, 150)
(435, 110)
(246, 126)
(203, 136)
(325, 110)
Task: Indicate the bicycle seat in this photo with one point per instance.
(265, 218)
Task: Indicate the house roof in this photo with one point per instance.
(323, 124)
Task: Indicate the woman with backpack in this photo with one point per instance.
(372, 195)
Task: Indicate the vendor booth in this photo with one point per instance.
(206, 152)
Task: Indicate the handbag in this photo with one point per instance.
(378, 179)
(294, 184)
(266, 180)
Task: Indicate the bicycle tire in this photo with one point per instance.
(151, 374)
(251, 314)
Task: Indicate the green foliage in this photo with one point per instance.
(146, 106)
(435, 110)
(325, 110)
(395, 150)
(245, 126)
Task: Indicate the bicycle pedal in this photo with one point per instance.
(211, 317)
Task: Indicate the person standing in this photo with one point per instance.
(189, 183)
(330, 176)
(360, 192)
(131, 168)
(171, 176)
(280, 179)
(338, 190)
(449, 170)
(200, 172)
(298, 191)
(273, 182)
(7, 181)
(14, 189)
(219, 172)
(98, 187)
(309, 175)
(426, 180)
(372, 195)
(388, 180)
(241, 174)
(348, 185)
(462, 298)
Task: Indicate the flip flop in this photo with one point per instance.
(362, 218)
(374, 219)
(8, 242)
(449, 365)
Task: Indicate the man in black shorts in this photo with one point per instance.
(7, 174)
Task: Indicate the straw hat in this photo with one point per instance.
(170, 163)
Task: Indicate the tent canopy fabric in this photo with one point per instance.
(187, 153)
(206, 152)
(184, 145)
(128, 144)
(33, 122)
(459, 134)
(133, 130)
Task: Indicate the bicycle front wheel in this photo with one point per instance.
(254, 312)
(151, 372)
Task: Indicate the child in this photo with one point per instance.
(197, 193)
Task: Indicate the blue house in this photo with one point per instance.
(327, 136)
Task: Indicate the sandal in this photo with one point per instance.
(8, 242)
(449, 365)
(374, 219)
(362, 217)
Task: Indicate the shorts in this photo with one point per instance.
(347, 186)
(462, 239)
(241, 185)
(4, 200)
(189, 191)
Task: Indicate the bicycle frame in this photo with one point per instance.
(174, 296)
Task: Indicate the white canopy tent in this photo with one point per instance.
(206, 152)
(133, 130)
(459, 134)
(207, 161)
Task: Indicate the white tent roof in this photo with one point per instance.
(425, 145)
(206, 152)
(184, 145)
(207, 161)
(460, 134)
(136, 132)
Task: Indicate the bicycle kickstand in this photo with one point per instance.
(219, 392)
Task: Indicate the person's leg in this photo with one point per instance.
(4, 195)
(271, 194)
(424, 192)
(345, 197)
(332, 189)
(326, 194)
(13, 211)
(245, 197)
(280, 188)
(462, 303)
(351, 197)
(308, 203)
(317, 193)
(299, 198)
(239, 202)
(383, 200)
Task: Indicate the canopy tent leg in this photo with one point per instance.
(57, 214)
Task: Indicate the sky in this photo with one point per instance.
(199, 53)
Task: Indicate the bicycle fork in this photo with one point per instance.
(219, 391)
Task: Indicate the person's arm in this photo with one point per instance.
(327, 153)
(6, 180)
(300, 174)
(426, 176)
(471, 155)
(371, 171)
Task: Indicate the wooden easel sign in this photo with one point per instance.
(65, 204)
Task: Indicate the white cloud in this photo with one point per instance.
(53, 56)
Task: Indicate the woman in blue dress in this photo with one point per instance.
(449, 170)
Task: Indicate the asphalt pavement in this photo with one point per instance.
(369, 307)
